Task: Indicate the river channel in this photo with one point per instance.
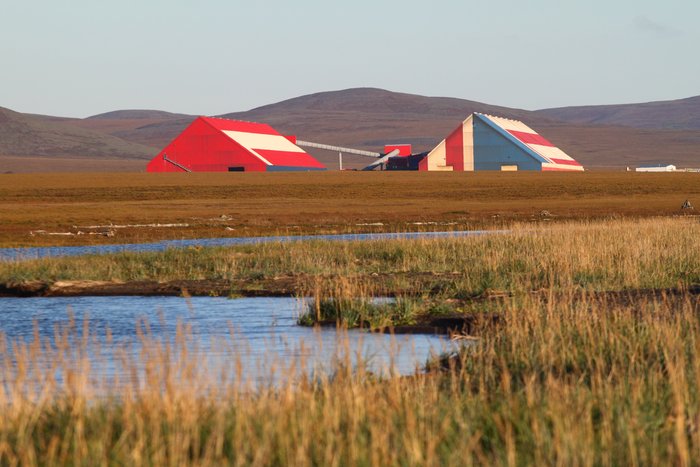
(18, 254)
(258, 333)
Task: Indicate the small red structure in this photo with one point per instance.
(222, 145)
(404, 149)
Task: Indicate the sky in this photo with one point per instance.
(79, 58)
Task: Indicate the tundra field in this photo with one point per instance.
(583, 322)
(78, 209)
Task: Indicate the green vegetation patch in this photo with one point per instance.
(600, 255)
(367, 313)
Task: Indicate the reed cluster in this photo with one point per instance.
(596, 255)
(567, 375)
(560, 380)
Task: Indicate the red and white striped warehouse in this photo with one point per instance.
(222, 145)
(485, 142)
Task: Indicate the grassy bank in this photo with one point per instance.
(429, 277)
(597, 255)
(565, 376)
(561, 380)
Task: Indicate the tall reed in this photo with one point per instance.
(600, 255)
(572, 379)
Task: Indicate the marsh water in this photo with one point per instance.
(258, 333)
(16, 254)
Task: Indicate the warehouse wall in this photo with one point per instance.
(492, 150)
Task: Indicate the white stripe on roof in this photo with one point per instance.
(253, 141)
(550, 152)
(508, 124)
(547, 152)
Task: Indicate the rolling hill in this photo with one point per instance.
(136, 114)
(681, 114)
(35, 143)
(367, 118)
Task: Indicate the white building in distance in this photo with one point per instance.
(657, 168)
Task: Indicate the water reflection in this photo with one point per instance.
(142, 340)
(18, 254)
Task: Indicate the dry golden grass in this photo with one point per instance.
(563, 380)
(567, 376)
(610, 255)
(290, 203)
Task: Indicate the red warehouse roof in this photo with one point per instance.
(220, 145)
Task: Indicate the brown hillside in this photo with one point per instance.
(136, 114)
(363, 118)
(681, 114)
(129, 125)
(368, 118)
(607, 147)
(27, 135)
(380, 101)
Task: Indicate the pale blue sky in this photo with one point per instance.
(80, 57)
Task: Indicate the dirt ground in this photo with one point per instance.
(96, 208)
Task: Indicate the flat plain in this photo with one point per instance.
(582, 319)
(93, 208)
(582, 351)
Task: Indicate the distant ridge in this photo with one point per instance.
(27, 135)
(135, 114)
(381, 101)
(680, 114)
(367, 118)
